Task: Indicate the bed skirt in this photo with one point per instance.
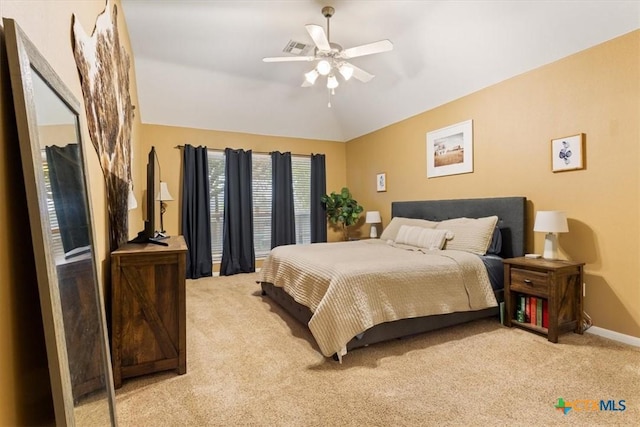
(388, 330)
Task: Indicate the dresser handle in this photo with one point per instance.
(528, 282)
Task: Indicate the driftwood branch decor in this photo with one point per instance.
(103, 65)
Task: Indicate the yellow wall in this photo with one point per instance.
(25, 396)
(596, 92)
(166, 138)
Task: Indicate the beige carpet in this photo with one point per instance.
(249, 363)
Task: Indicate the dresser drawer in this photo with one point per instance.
(529, 282)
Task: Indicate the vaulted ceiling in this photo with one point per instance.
(199, 63)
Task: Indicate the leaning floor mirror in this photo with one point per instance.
(57, 190)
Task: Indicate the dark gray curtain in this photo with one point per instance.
(318, 189)
(196, 216)
(283, 215)
(238, 254)
(67, 188)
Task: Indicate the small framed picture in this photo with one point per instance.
(567, 153)
(381, 182)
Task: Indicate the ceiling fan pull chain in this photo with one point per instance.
(329, 96)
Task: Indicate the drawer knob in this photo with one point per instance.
(528, 282)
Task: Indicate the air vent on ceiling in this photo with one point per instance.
(297, 48)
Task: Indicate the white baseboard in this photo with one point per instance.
(616, 336)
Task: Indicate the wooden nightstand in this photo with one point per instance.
(557, 284)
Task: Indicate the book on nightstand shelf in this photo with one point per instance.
(534, 309)
(539, 311)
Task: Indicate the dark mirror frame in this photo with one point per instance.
(25, 60)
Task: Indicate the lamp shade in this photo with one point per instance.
(164, 194)
(132, 203)
(311, 76)
(332, 82)
(551, 222)
(346, 71)
(323, 67)
(373, 217)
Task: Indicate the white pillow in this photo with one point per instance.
(421, 237)
(470, 234)
(391, 231)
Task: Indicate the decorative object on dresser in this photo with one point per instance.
(554, 285)
(552, 223)
(373, 218)
(148, 332)
(163, 196)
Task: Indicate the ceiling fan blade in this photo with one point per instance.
(306, 83)
(319, 37)
(289, 58)
(367, 49)
(360, 74)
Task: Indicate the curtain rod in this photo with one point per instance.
(256, 152)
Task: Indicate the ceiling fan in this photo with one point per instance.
(331, 57)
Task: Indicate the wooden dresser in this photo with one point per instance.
(148, 330)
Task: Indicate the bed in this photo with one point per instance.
(353, 294)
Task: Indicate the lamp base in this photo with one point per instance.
(550, 246)
(374, 232)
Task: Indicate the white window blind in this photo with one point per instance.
(261, 182)
(261, 188)
(301, 172)
(216, 201)
(58, 250)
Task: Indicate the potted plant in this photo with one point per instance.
(342, 210)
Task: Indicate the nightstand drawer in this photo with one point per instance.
(530, 282)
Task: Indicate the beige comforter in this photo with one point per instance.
(352, 286)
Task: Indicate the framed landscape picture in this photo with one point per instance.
(450, 150)
(567, 153)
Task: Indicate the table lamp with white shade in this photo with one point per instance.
(552, 223)
(373, 218)
(163, 195)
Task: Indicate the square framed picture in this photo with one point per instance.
(450, 150)
(381, 182)
(567, 154)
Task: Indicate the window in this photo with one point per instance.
(301, 171)
(216, 201)
(261, 184)
(57, 249)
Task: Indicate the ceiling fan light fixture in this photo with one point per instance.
(311, 76)
(346, 71)
(332, 82)
(323, 67)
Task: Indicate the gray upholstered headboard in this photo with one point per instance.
(511, 212)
